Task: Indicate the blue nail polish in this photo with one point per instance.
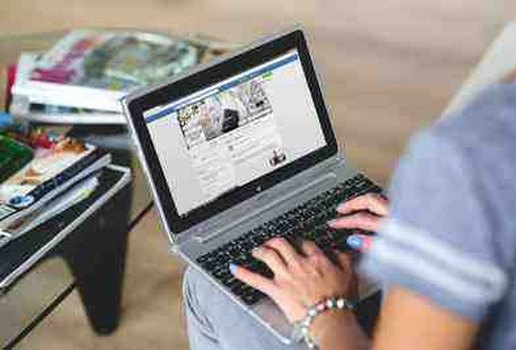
(354, 242)
(232, 268)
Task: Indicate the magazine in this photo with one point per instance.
(44, 113)
(40, 113)
(62, 202)
(57, 164)
(103, 66)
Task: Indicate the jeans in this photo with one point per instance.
(215, 322)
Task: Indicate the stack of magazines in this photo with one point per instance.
(81, 79)
(42, 174)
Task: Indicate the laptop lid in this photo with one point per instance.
(216, 136)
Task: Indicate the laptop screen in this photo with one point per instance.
(235, 131)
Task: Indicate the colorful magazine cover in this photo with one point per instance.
(114, 60)
(103, 66)
(22, 107)
(57, 163)
(79, 192)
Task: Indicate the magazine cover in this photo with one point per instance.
(104, 66)
(113, 61)
(48, 165)
(22, 107)
(79, 192)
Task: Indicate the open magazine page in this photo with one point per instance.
(54, 165)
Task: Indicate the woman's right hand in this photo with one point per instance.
(364, 212)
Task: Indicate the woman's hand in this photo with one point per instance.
(364, 212)
(300, 279)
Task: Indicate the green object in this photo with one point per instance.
(13, 156)
(267, 76)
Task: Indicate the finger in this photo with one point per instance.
(271, 258)
(361, 220)
(373, 202)
(310, 248)
(253, 279)
(345, 261)
(283, 247)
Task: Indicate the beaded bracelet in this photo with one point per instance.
(301, 331)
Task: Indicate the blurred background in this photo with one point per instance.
(388, 67)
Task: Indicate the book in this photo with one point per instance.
(103, 66)
(40, 113)
(21, 106)
(58, 163)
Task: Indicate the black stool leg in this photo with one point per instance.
(97, 261)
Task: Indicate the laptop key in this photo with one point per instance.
(308, 221)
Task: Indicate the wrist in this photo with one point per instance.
(330, 323)
(303, 329)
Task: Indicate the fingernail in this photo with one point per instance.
(232, 268)
(331, 223)
(340, 207)
(359, 242)
(354, 242)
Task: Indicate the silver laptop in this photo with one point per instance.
(239, 151)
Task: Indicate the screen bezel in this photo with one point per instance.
(204, 78)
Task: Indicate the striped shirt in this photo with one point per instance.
(451, 231)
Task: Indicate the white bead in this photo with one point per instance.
(341, 303)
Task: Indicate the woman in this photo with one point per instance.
(445, 251)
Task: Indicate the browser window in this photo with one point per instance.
(236, 131)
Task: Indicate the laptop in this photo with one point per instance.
(239, 151)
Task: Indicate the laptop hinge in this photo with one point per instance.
(173, 248)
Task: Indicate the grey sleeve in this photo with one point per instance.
(437, 239)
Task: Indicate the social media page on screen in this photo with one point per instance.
(235, 131)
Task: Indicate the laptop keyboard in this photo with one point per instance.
(307, 221)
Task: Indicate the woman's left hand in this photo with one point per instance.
(300, 279)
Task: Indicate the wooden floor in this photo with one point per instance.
(389, 67)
